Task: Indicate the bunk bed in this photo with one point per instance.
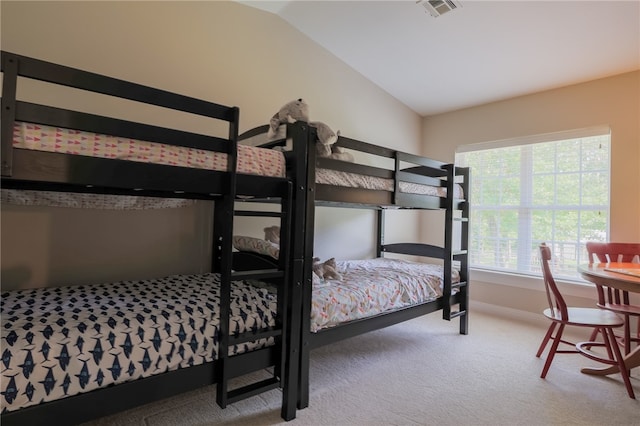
(412, 182)
(71, 354)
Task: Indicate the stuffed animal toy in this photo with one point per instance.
(326, 270)
(325, 145)
(272, 234)
(323, 150)
(291, 112)
(298, 110)
(338, 153)
(326, 138)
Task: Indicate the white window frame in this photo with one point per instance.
(524, 280)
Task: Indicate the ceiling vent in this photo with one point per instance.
(439, 7)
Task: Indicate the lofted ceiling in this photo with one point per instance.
(481, 52)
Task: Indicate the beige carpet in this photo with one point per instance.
(423, 372)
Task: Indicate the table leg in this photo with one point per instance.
(631, 360)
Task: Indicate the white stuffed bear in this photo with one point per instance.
(291, 112)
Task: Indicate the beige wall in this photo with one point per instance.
(232, 54)
(219, 51)
(613, 101)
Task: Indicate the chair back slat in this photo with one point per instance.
(554, 297)
(613, 252)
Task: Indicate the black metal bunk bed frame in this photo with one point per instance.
(39, 170)
(302, 163)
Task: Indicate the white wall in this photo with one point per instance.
(219, 51)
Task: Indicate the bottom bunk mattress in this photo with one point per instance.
(373, 286)
(62, 341)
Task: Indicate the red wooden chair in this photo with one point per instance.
(613, 299)
(560, 315)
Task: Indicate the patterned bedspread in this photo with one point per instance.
(369, 287)
(251, 160)
(355, 180)
(58, 342)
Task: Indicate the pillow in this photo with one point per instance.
(256, 245)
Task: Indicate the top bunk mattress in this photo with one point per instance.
(355, 180)
(251, 161)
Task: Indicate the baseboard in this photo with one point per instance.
(537, 320)
(509, 313)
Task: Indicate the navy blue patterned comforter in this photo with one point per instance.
(58, 342)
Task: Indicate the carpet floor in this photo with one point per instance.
(422, 372)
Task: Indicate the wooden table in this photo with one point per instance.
(597, 273)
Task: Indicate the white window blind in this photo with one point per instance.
(550, 188)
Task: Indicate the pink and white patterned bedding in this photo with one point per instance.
(254, 161)
(369, 287)
(251, 160)
(62, 341)
(355, 180)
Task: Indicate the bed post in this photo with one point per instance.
(303, 173)
(291, 314)
(9, 84)
(380, 233)
(222, 258)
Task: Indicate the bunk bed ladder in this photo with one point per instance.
(459, 255)
(462, 255)
(227, 369)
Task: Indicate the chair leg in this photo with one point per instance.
(546, 338)
(608, 343)
(594, 337)
(621, 365)
(627, 334)
(552, 351)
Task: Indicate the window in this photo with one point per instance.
(551, 188)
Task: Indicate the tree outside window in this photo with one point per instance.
(543, 190)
